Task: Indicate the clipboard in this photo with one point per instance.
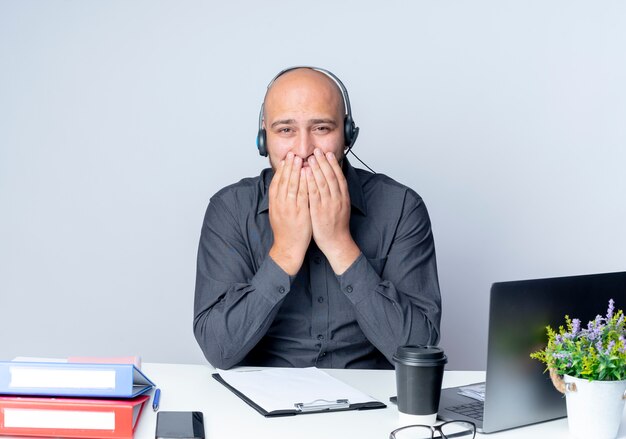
(299, 391)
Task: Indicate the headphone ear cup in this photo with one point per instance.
(348, 130)
(261, 142)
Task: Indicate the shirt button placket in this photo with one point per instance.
(319, 296)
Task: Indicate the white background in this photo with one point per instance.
(119, 119)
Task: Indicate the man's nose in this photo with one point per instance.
(304, 145)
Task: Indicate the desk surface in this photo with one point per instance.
(191, 387)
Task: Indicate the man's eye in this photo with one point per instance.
(323, 128)
(284, 130)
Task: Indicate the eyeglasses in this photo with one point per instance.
(452, 429)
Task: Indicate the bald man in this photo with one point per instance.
(314, 262)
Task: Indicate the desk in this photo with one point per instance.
(191, 387)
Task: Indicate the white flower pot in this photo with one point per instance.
(594, 408)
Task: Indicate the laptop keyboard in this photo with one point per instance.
(472, 410)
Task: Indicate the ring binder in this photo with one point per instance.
(322, 404)
(53, 378)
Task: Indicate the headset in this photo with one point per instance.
(350, 130)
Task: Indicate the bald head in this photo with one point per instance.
(301, 88)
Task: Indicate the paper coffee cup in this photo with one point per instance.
(419, 374)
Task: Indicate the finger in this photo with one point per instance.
(314, 194)
(336, 167)
(283, 184)
(303, 192)
(276, 179)
(294, 179)
(320, 180)
(329, 174)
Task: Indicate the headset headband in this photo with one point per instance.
(328, 73)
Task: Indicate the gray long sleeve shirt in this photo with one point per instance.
(248, 311)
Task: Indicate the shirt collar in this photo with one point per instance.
(264, 183)
(357, 199)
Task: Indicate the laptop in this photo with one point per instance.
(517, 392)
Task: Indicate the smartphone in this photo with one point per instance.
(180, 425)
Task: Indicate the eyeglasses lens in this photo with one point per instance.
(454, 429)
(458, 429)
(414, 432)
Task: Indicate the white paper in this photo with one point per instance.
(476, 391)
(40, 360)
(35, 418)
(282, 388)
(29, 377)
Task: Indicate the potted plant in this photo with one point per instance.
(588, 365)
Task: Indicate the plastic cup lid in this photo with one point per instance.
(420, 355)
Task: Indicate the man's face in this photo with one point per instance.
(303, 111)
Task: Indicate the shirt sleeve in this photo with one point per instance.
(235, 302)
(397, 298)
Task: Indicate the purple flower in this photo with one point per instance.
(594, 329)
(593, 334)
(594, 323)
(575, 326)
(598, 321)
(609, 312)
(575, 330)
(593, 349)
(561, 355)
(599, 347)
(610, 347)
